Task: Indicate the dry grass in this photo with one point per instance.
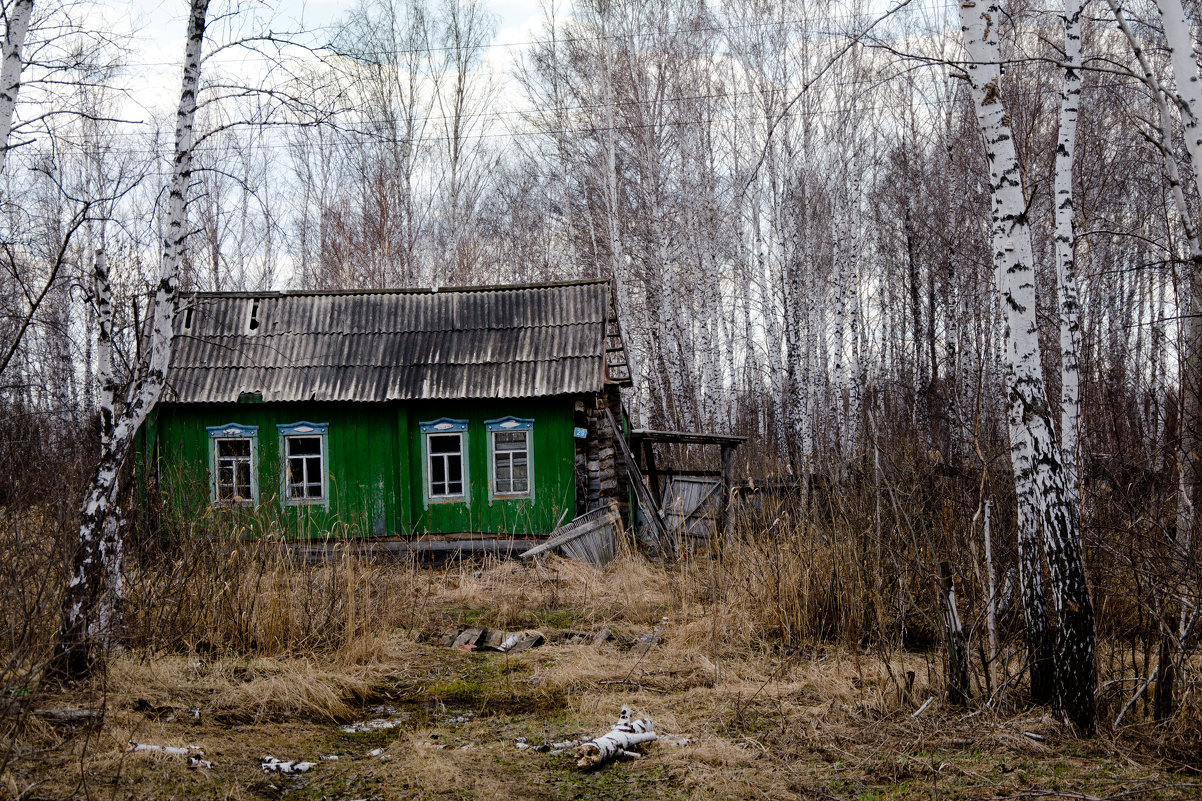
(822, 719)
(783, 657)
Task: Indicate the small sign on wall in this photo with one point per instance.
(580, 433)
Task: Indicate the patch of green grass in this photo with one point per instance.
(458, 692)
(558, 618)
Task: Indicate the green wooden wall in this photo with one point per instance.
(375, 460)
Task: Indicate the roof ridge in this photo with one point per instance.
(284, 293)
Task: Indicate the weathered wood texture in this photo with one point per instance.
(590, 538)
(601, 474)
(647, 501)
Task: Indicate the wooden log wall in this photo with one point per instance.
(600, 473)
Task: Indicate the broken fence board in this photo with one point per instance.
(589, 537)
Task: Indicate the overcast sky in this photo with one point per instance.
(158, 38)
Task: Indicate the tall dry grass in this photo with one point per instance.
(849, 565)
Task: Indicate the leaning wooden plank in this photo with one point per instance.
(597, 547)
(649, 504)
(621, 740)
(588, 522)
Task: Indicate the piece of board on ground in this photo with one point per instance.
(591, 538)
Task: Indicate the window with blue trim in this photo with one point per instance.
(446, 459)
(510, 462)
(232, 452)
(305, 477)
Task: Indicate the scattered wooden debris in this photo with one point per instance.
(591, 538)
(516, 642)
(270, 764)
(381, 723)
(620, 740)
(470, 638)
(480, 639)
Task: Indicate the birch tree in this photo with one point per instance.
(1040, 476)
(1066, 269)
(16, 16)
(88, 605)
(1187, 99)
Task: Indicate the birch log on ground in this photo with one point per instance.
(621, 740)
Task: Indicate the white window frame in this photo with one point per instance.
(506, 425)
(442, 427)
(233, 431)
(304, 429)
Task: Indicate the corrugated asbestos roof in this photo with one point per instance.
(496, 342)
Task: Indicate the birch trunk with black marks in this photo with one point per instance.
(1066, 266)
(11, 68)
(87, 617)
(1041, 480)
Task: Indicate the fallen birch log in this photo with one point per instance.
(66, 715)
(172, 750)
(270, 764)
(625, 735)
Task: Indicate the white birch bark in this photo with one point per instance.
(838, 330)
(11, 66)
(1159, 372)
(95, 555)
(1040, 477)
(621, 740)
(1066, 269)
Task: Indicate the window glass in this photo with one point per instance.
(511, 457)
(233, 462)
(445, 452)
(304, 470)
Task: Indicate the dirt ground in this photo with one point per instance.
(436, 722)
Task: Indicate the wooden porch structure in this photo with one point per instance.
(642, 444)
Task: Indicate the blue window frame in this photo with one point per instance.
(304, 464)
(444, 446)
(233, 454)
(510, 462)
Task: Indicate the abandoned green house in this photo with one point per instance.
(391, 413)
